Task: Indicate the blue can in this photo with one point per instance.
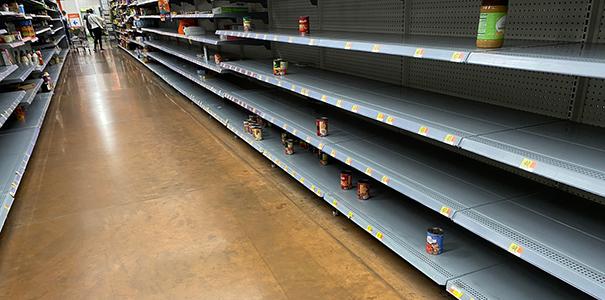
(434, 241)
(21, 9)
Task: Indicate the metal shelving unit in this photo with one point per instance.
(542, 56)
(47, 55)
(253, 15)
(8, 102)
(206, 39)
(20, 74)
(534, 143)
(396, 222)
(6, 71)
(32, 92)
(43, 30)
(186, 54)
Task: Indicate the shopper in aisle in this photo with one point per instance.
(95, 26)
(67, 26)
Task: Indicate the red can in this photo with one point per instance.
(303, 25)
(322, 126)
(346, 180)
(363, 189)
(289, 148)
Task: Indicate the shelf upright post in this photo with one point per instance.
(576, 107)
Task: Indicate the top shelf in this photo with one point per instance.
(253, 15)
(541, 56)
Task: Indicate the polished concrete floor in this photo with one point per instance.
(135, 193)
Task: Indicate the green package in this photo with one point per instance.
(491, 26)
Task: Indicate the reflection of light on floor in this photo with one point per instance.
(100, 113)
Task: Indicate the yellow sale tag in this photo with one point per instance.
(279, 83)
(376, 48)
(318, 192)
(285, 126)
(6, 206)
(369, 171)
(446, 211)
(455, 292)
(294, 131)
(348, 45)
(313, 187)
(293, 88)
(320, 146)
(348, 161)
(302, 180)
(324, 98)
(423, 131)
(390, 120)
(334, 203)
(380, 117)
(515, 249)
(450, 139)
(369, 228)
(256, 36)
(385, 179)
(339, 103)
(305, 92)
(355, 108)
(350, 215)
(457, 57)
(379, 235)
(333, 153)
(528, 164)
(419, 53)
(311, 42)
(190, 42)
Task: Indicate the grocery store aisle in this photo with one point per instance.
(133, 192)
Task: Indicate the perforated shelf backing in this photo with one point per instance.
(285, 13)
(297, 53)
(380, 67)
(594, 103)
(543, 93)
(380, 16)
(601, 31)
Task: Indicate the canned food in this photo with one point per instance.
(246, 126)
(247, 24)
(303, 145)
(257, 132)
(346, 180)
(283, 68)
(363, 189)
(434, 240)
(277, 66)
(323, 158)
(303, 25)
(322, 126)
(218, 58)
(284, 138)
(289, 149)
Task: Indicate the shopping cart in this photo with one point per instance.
(79, 39)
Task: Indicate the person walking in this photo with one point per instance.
(94, 24)
(66, 26)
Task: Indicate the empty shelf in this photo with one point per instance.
(5, 71)
(47, 55)
(8, 102)
(566, 152)
(206, 39)
(186, 53)
(34, 114)
(217, 86)
(23, 71)
(253, 15)
(31, 92)
(534, 143)
(456, 188)
(541, 56)
(568, 59)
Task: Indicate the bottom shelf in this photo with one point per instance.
(17, 140)
(470, 267)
